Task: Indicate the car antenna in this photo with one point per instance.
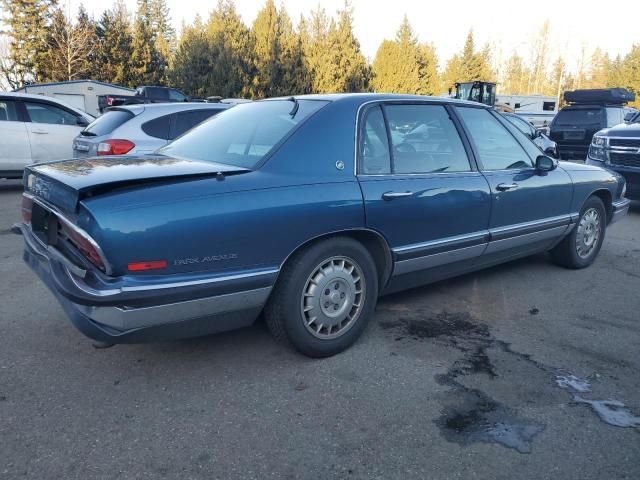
(296, 106)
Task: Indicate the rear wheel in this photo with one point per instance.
(325, 296)
(580, 248)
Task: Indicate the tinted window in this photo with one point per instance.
(8, 111)
(108, 122)
(46, 113)
(374, 144)
(614, 117)
(158, 127)
(157, 93)
(425, 140)
(244, 134)
(176, 96)
(497, 148)
(579, 116)
(185, 121)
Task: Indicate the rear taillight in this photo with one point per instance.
(109, 101)
(115, 147)
(27, 207)
(84, 245)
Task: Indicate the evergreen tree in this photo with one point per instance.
(28, 21)
(452, 73)
(230, 52)
(630, 71)
(113, 54)
(147, 67)
(404, 65)
(191, 64)
(349, 67)
(87, 24)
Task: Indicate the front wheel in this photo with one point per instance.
(324, 298)
(580, 248)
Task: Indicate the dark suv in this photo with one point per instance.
(589, 111)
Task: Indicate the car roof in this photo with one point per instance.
(169, 107)
(372, 97)
(31, 96)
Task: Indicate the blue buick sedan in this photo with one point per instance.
(307, 209)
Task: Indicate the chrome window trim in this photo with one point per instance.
(75, 228)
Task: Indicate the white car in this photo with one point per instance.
(35, 128)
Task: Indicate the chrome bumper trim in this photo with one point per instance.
(620, 209)
(123, 318)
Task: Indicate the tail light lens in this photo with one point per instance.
(109, 101)
(27, 207)
(144, 266)
(115, 147)
(84, 245)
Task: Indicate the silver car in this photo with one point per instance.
(140, 129)
(543, 142)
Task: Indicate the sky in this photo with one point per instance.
(509, 25)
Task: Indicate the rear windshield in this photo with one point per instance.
(244, 134)
(108, 122)
(581, 116)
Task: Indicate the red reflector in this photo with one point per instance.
(115, 147)
(142, 266)
(27, 206)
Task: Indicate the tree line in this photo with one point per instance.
(221, 55)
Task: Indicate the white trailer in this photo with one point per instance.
(82, 94)
(529, 103)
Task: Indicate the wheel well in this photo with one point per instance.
(607, 199)
(372, 241)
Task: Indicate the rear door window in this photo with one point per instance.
(108, 122)
(374, 144)
(497, 148)
(425, 140)
(8, 111)
(158, 127)
(185, 121)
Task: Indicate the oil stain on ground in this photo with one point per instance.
(476, 417)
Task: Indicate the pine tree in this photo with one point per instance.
(191, 64)
(87, 24)
(452, 73)
(114, 50)
(630, 72)
(230, 52)
(405, 66)
(28, 21)
(267, 31)
(147, 67)
(351, 72)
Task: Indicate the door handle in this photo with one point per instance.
(503, 187)
(40, 132)
(394, 195)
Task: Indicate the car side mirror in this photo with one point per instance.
(81, 122)
(545, 163)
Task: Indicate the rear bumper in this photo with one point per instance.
(142, 314)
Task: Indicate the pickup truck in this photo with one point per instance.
(143, 94)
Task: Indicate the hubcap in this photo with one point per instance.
(588, 233)
(333, 298)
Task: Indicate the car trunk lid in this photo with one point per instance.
(66, 182)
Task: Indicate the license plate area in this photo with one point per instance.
(44, 225)
(574, 135)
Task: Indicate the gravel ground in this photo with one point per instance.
(512, 372)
